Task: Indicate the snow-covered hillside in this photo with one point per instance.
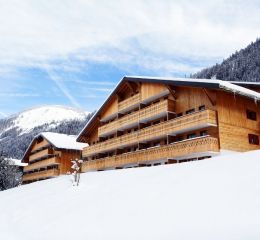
(17, 131)
(203, 200)
(51, 115)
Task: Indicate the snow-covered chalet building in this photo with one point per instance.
(49, 155)
(151, 121)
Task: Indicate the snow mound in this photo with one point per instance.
(39, 116)
(201, 200)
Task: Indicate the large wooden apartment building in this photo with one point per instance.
(50, 155)
(152, 121)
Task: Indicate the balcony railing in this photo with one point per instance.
(41, 175)
(142, 115)
(40, 154)
(43, 163)
(171, 151)
(193, 121)
(40, 145)
(129, 102)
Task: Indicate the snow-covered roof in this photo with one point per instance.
(239, 90)
(211, 83)
(189, 82)
(63, 141)
(58, 140)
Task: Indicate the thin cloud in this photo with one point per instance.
(59, 83)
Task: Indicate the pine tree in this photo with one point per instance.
(243, 65)
(10, 175)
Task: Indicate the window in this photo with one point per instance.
(190, 111)
(179, 138)
(251, 115)
(202, 107)
(191, 135)
(253, 139)
(204, 133)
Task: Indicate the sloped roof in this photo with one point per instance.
(59, 141)
(235, 87)
(63, 141)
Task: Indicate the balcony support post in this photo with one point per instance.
(212, 101)
(172, 92)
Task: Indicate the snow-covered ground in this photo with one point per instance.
(210, 199)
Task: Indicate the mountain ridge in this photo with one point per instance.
(18, 130)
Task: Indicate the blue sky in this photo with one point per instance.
(74, 52)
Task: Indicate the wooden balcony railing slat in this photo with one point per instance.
(177, 124)
(39, 154)
(134, 117)
(129, 102)
(190, 146)
(43, 163)
(42, 174)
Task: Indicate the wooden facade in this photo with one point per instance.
(45, 160)
(149, 122)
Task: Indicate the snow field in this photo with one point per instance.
(210, 199)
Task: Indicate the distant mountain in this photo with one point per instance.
(17, 131)
(244, 65)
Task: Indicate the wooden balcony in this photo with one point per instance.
(40, 154)
(171, 151)
(129, 103)
(192, 121)
(40, 145)
(43, 163)
(148, 113)
(41, 175)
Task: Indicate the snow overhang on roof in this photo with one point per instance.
(247, 84)
(188, 82)
(59, 141)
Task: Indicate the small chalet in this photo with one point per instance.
(50, 155)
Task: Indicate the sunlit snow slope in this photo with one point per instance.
(38, 116)
(210, 199)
